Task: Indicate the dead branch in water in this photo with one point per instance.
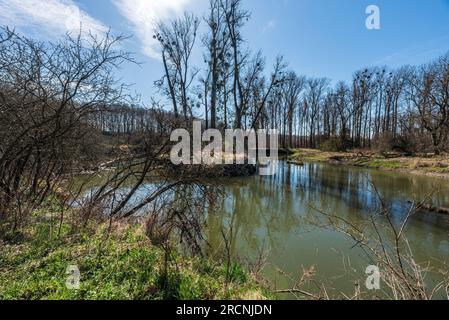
(387, 247)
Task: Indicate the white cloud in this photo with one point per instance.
(270, 25)
(49, 17)
(143, 14)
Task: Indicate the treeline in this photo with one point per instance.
(404, 109)
(128, 119)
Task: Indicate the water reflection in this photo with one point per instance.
(275, 213)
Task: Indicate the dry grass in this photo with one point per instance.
(430, 165)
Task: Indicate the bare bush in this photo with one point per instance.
(385, 245)
(388, 248)
(47, 92)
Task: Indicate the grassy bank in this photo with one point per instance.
(425, 165)
(115, 262)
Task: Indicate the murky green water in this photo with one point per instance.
(276, 215)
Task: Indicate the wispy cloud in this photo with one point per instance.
(143, 14)
(416, 54)
(49, 17)
(270, 25)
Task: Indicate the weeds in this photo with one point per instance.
(117, 264)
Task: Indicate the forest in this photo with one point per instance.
(405, 109)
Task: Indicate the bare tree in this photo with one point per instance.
(217, 43)
(177, 39)
(428, 90)
(292, 88)
(313, 99)
(47, 92)
(236, 18)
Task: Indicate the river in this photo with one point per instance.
(277, 216)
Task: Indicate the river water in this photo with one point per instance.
(279, 220)
(276, 217)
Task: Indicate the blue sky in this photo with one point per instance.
(324, 38)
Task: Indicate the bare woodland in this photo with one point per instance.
(404, 109)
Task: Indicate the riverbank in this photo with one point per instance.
(431, 165)
(115, 261)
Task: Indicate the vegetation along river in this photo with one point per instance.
(278, 221)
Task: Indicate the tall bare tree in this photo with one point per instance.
(177, 39)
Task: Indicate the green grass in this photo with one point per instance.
(437, 165)
(380, 163)
(123, 265)
(436, 170)
(351, 159)
(303, 155)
